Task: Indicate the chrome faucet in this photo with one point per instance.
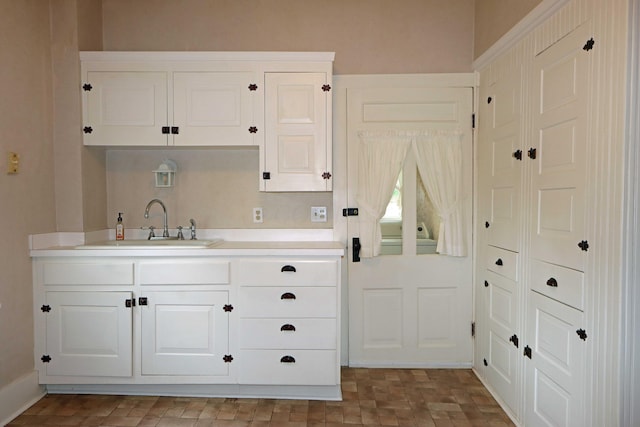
(193, 229)
(165, 233)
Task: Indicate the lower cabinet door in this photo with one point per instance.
(89, 334)
(288, 367)
(184, 333)
(556, 369)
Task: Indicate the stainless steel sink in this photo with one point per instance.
(152, 244)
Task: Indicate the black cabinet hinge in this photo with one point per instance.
(166, 130)
(527, 351)
(473, 121)
(87, 129)
(489, 99)
(45, 308)
(253, 129)
(175, 130)
(350, 212)
(517, 154)
(473, 329)
(326, 175)
(484, 362)
(532, 153)
(87, 87)
(227, 358)
(266, 175)
(486, 284)
(130, 302)
(45, 358)
(487, 224)
(582, 334)
(227, 308)
(355, 248)
(514, 340)
(584, 245)
(253, 87)
(326, 88)
(589, 44)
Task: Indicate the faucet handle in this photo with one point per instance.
(193, 229)
(151, 233)
(180, 235)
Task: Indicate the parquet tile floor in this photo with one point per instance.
(371, 397)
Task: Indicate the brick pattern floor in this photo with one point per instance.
(371, 397)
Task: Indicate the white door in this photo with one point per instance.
(559, 152)
(213, 108)
(184, 333)
(125, 108)
(89, 334)
(409, 309)
(297, 150)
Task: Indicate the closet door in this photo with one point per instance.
(558, 152)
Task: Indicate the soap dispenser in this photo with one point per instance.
(119, 228)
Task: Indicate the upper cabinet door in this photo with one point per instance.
(558, 155)
(125, 108)
(213, 108)
(297, 149)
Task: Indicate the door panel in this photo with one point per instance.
(409, 309)
(559, 162)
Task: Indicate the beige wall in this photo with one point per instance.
(368, 36)
(26, 199)
(494, 18)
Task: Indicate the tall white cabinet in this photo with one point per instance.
(544, 334)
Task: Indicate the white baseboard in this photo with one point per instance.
(16, 397)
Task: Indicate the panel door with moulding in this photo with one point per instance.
(214, 108)
(122, 108)
(297, 147)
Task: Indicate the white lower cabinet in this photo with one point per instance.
(87, 334)
(554, 372)
(184, 333)
(207, 321)
(289, 333)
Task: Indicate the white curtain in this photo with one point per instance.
(380, 159)
(439, 159)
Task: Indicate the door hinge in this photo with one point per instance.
(589, 44)
(326, 88)
(266, 175)
(87, 129)
(517, 154)
(584, 245)
(227, 358)
(175, 130)
(130, 302)
(87, 87)
(473, 121)
(253, 129)
(514, 340)
(532, 153)
(350, 212)
(45, 308)
(582, 334)
(527, 351)
(45, 358)
(356, 246)
(473, 329)
(253, 87)
(166, 130)
(486, 284)
(227, 308)
(484, 362)
(143, 301)
(326, 175)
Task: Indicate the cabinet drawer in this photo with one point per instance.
(189, 272)
(283, 301)
(560, 283)
(288, 333)
(87, 273)
(288, 367)
(503, 262)
(288, 272)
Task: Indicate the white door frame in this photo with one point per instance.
(341, 84)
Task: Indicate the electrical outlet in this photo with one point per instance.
(319, 214)
(257, 215)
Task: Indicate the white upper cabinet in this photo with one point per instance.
(297, 151)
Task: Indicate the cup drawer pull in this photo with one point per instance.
(290, 268)
(287, 295)
(287, 359)
(552, 283)
(288, 327)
